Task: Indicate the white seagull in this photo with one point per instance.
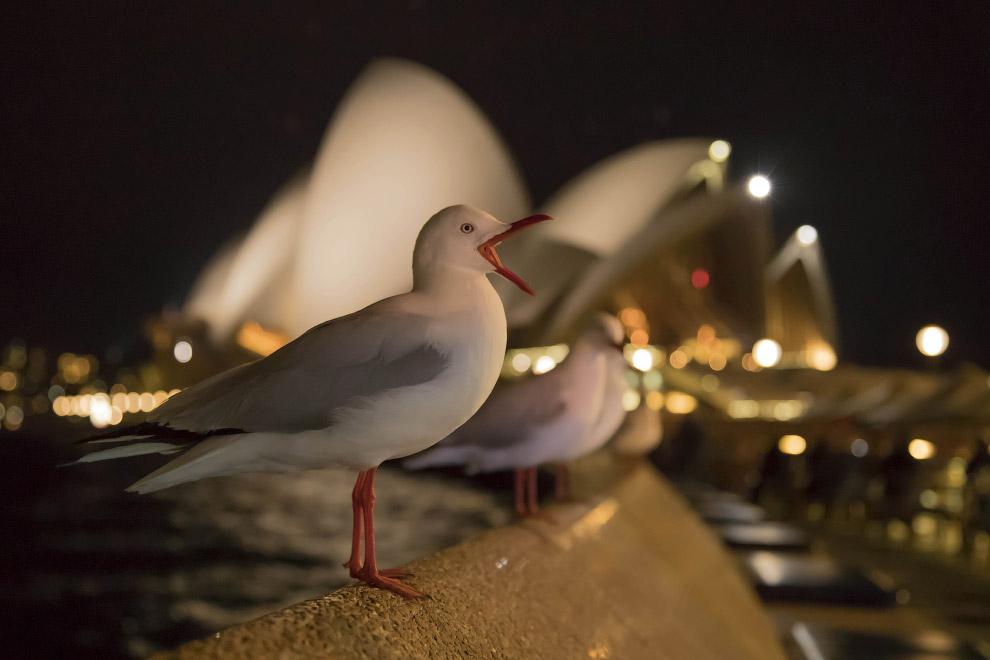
(554, 418)
(385, 382)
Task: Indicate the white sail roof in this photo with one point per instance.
(596, 214)
(404, 143)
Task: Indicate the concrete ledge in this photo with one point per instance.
(630, 574)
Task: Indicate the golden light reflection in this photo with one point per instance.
(61, 406)
(632, 317)
(680, 403)
(743, 409)
(792, 444)
(717, 361)
(591, 523)
(100, 410)
(749, 363)
(8, 381)
(14, 416)
(767, 352)
(147, 402)
(104, 410)
(678, 359)
(821, 357)
(921, 449)
(639, 337)
(630, 400)
(654, 400)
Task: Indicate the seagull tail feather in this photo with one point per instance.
(202, 460)
(137, 449)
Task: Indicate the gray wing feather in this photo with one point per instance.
(300, 386)
(511, 411)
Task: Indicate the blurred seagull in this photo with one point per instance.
(384, 382)
(556, 418)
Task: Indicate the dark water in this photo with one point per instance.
(89, 571)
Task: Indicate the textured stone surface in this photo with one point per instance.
(631, 573)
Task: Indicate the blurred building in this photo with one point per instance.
(718, 321)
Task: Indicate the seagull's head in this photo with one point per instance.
(465, 237)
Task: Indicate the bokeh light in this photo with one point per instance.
(759, 186)
(806, 234)
(182, 351)
(921, 449)
(932, 340)
(544, 364)
(642, 359)
(719, 150)
(792, 444)
(767, 352)
(680, 403)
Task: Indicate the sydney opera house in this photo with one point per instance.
(657, 234)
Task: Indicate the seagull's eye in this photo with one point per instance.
(467, 228)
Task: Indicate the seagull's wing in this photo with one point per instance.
(303, 384)
(512, 411)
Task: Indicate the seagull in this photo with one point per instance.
(384, 382)
(555, 417)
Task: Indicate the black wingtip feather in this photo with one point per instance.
(156, 430)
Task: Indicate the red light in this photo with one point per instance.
(699, 278)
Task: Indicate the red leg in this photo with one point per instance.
(520, 484)
(563, 483)
(354, 563)
(533, 505)
(385, 579)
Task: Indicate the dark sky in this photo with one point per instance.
(137, 137)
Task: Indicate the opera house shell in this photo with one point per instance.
(632, 232)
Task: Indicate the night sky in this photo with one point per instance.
(138, 137)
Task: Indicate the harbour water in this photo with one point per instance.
(90, 571)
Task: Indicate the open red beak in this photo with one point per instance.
(487, 249)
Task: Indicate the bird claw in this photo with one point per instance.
(390, 580)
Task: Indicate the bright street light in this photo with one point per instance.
(806, 234)
(719, 150)
(932, 340)
(759, 186)
(767, 352)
